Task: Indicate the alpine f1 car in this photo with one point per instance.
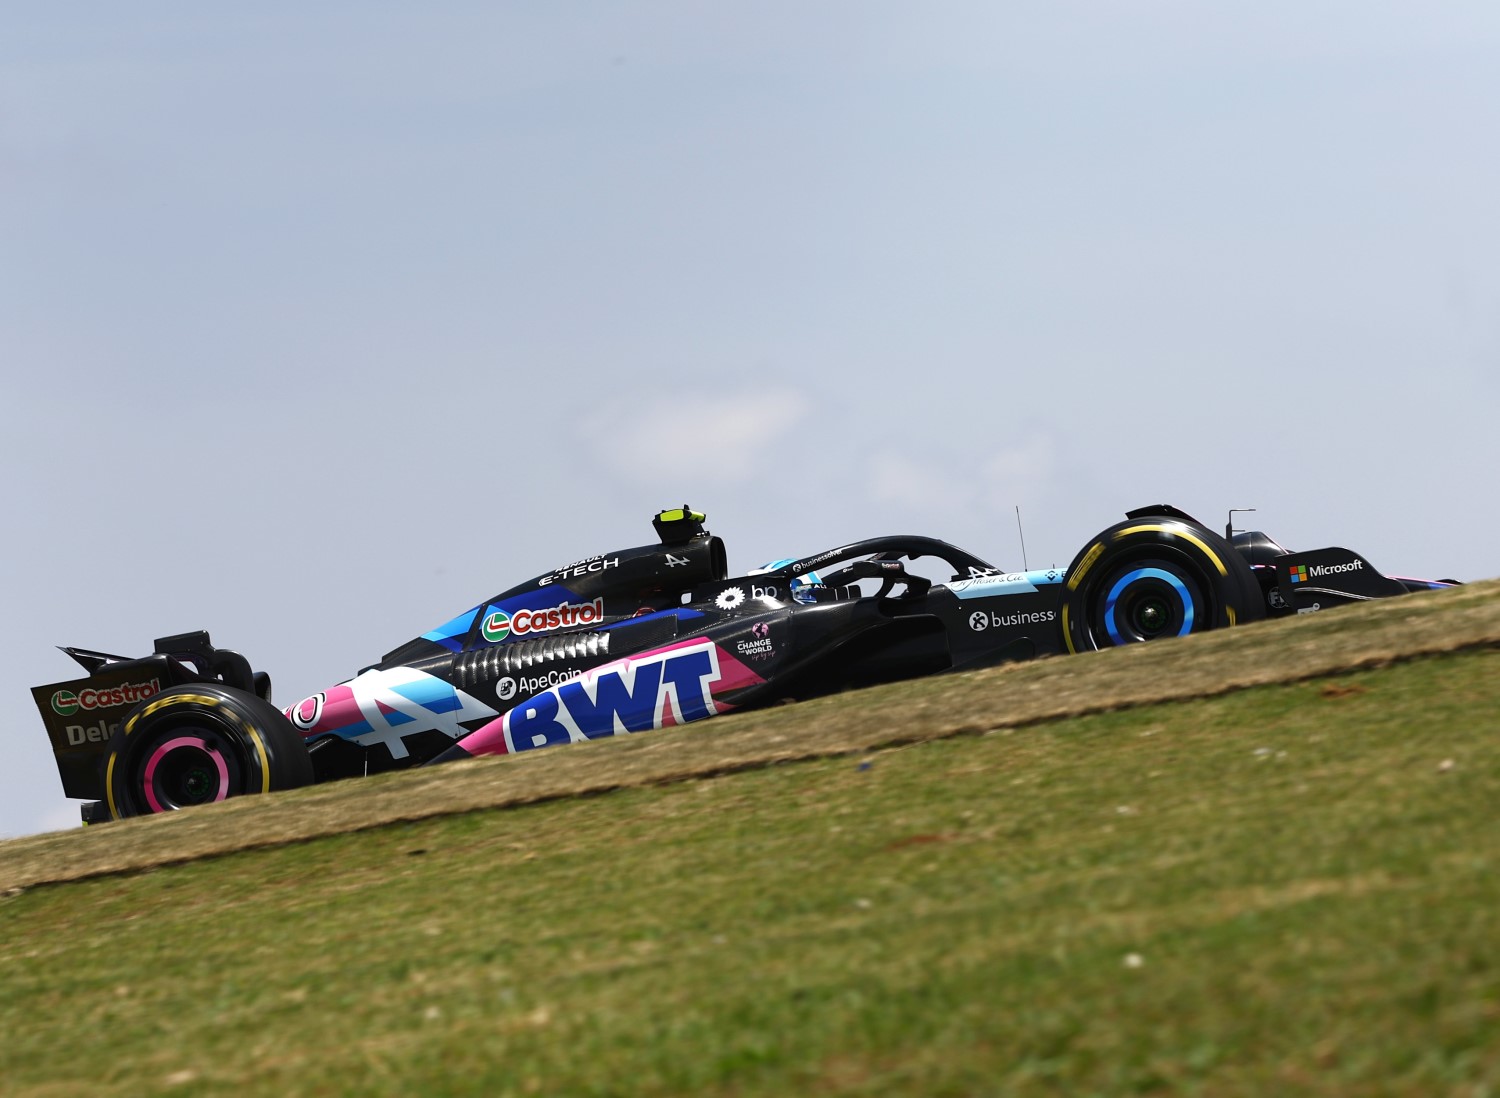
(656, 636)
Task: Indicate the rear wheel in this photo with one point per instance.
(199, 744)
(1153, 577)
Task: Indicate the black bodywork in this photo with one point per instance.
(662, 634)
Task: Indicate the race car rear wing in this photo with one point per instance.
(81, 715)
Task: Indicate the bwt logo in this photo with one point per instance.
(633, 697)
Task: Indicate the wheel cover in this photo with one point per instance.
(184, 770)
(1146, 604)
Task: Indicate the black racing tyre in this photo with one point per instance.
(1152, 577)
(197, 744)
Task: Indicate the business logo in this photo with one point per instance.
(730, 598)
(979, 621)
(1299, 573)
(498, 624)
(1024, 617)
(65, 703)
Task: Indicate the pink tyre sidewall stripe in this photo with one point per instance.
(165, 749)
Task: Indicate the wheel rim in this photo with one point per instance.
(1148, 603)
(188, 769)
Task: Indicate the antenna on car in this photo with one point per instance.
(1229, 526)
(1024, 566)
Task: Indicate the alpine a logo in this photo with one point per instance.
(499, 624)
(65, 703)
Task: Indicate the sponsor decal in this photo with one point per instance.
(306, 714)
(832, 554)
(80, 734)
(579, 569)
(569, 615)
(1003, 583)
(65, 703)
(506, 688)
(1314, 608)
(1023, 617)
(673, 687)
(1275, 599)
(1299, 573)
(761, 648)
(979, 621)
(668, 686)
(1319, 570)
(530, 684)
(730, 598)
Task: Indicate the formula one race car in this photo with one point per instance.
(656, 636)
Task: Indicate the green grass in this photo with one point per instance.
(1288, 890)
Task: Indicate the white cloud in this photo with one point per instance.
(730, 435)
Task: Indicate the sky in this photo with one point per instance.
(323, 321)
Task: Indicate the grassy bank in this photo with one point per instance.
(1287, 889)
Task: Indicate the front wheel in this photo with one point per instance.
(1153, 577)
(199, 744)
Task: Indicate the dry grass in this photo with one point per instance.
(1285, 651)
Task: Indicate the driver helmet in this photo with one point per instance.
(801, 586)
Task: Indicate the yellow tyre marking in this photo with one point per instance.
(265, 763)
(109, 787)
(1084, 565)
(201, 699)
(162, 703)
(1176, 532)
(1067, 634)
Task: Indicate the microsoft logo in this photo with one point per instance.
(1299, 573)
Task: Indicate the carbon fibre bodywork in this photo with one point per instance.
(661, 635)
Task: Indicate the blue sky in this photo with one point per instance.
(321, 322)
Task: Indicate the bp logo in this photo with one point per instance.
(65, 703)
(496, 627)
